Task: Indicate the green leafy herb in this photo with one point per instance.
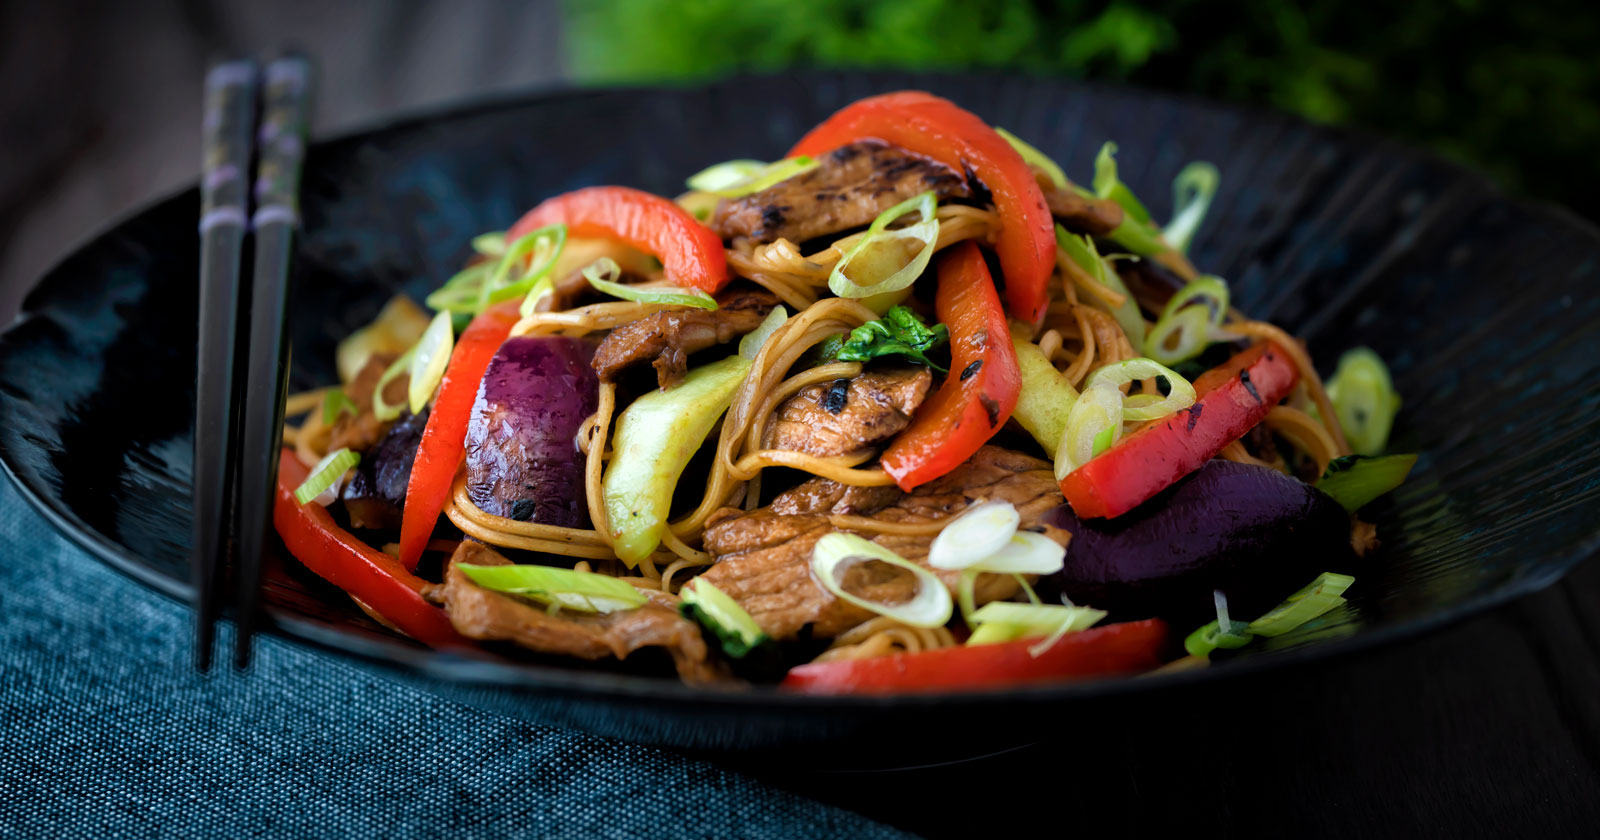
(898, 333)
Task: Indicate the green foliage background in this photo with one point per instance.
(1511, 87)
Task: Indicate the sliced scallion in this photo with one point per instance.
(1051, 621)
(713, 609)
(974, 535)
(1108, 185)
(1141, 407)
(335, 404)
(463, 291)
(579, 591)
(490, 244)
(699, 204)
(879, 262)
(604, 274)
(382, 408)
(1316, 598)
(539, 249)
(428, 361)
(837, 552)
(750, 345)
(1083, 252)
(1365, 400)
(1192, 191)
(322, 485)
(1026, 553)
(1036, 158)
(1093, 425)
(1222, 633)
(1190, 321)
(737, 178)
(1355, 480)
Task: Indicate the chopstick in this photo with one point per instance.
(285, 114)
(229, 118)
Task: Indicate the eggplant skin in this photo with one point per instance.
(523, 460)
(377, 492)
(1252, 532)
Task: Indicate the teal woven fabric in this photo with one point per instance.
(105, 732)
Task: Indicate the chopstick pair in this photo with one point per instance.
(239, 420)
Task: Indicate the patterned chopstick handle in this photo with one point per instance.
(230, 104)
(285, 114)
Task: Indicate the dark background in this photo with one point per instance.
(1491, 728)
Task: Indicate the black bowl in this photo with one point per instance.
(1482, 306)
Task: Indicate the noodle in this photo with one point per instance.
(304, 401)
(882, 636)
(1305, 433)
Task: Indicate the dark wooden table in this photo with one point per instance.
(1488, 728)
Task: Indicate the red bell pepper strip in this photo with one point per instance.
(690, 252)
(984, 382)
(444, 439)
(1113, 649)
(377, 579)
(1230, 400)
(937, 128)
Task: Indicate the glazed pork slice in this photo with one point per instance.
(849, 415)
(479, 613)
(763, 557)
(666, 339)
(848, 189)
(1077, 213)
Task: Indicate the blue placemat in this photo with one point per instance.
(105, 732)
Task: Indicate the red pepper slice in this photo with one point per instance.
(690, 252)
(346, 562)
(1113, 649)
(1231, 399)
(984, 382)
(938, 128)
(444, 439)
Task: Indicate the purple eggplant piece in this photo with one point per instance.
(377, 492)
(523, 460)
(1252, 532)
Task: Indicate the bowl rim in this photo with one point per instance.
(490, 671)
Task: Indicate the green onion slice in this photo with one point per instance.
(539, 249)
(750, 346)
(463, 291)
(1365, 400)
(429, 359)
(1190, 321)
(737, 178)
(1083, 252)
(837, 552)
(1318, 597)
(1141, 407)
(604, 273)
(699, 204)
(1222, 633)
(578, 591)
(1024, 620)
(878, 263)
(1093, 425)
(381, 408)
(1108, 185)
(1355, 480)
(322, 485)
(974, 535)
(335, 404)
(490, 244)
(1034, 157)
(1192, 191)
(1025, 553)
(730, 623)
(966, 594)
